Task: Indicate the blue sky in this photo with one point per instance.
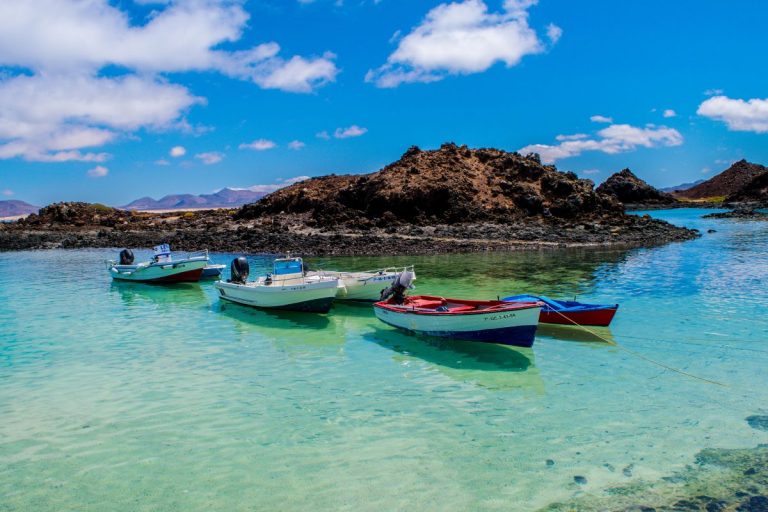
(95, 96)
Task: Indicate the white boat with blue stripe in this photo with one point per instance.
(285, 288)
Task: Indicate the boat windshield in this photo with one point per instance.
(285, 267)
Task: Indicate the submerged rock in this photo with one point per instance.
(759, 422)
(719, 481)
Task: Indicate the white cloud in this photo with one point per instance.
(713, 92)
(737, 114)
(98, 172)
(162, 161)
(601, 119)
(613, 139)
(7, 192)
(296, 144)
(350, 131)
(297, 74)
(323, 135)
(669, 113)
(461, 38)
(575, 136)
(210, 158)
(554, 33)
(291, 181)
(54, 102)
(591, 171)
(63, 35)
(42, 116)
(271, 187)
(259, 145)
(177, 151)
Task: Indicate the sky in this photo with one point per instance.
(107, 101)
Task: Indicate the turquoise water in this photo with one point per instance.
(120, 396)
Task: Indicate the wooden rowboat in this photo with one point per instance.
(568, 312)
(490, 321)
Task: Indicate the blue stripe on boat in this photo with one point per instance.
(520, 336)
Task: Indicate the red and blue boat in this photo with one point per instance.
(569, 312)
(490, 321)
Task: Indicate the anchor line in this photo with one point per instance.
(640, 356)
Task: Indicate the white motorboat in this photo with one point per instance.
(163, 268)
(285, 288)
(363, 286)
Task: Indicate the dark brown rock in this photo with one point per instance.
(631, 190)
(756, 191)
(450, 185)
(725, 184)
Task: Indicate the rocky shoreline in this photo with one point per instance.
(218, 231)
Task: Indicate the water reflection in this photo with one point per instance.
(485, 364)
(167, 295)
(272, 318)
(573, 333)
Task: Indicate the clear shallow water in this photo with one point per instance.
(119, 396)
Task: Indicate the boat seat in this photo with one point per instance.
(461, 309)
(425, 304)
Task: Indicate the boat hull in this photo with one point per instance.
(365, 289)
(212, 271)
(562, 312)
(310, 297)
(595, 318)
(360, 286)
(175, 272)
(508, 327)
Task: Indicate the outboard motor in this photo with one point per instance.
(239, 270)
(398, 287)
(126, 257)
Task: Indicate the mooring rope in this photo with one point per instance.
(640, 356)
(692, 341)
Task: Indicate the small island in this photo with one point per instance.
(452, 199)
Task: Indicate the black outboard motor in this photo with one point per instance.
(126, 257)
(398, 287)
(239, 270)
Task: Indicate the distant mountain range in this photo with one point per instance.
(14, 208)
(224, 198)
(682, 186)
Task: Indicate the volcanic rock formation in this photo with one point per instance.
(756, 191)
(450, 185)
(629, 189)
(727, 183)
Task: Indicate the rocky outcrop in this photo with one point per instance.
(77, 215)
(453, 184)
(756, 191)
(631, 190)
(741, 212)
(725, 184)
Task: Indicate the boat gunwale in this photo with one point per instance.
(499, 307)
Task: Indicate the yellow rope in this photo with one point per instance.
(645, 358)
